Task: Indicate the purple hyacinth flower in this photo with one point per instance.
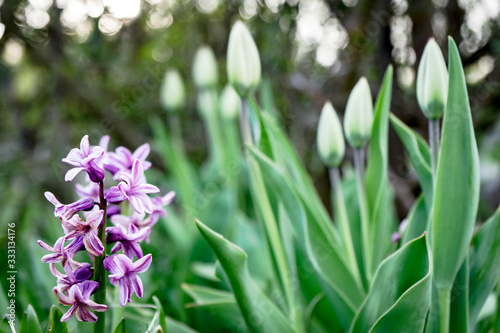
(159, 203)
(60, 253)
(126, 220)
(122, 159)
(69, 210)
(134, 189)
(91, 190)
(124, 272)
(84, 159)
(79, 299)
(86, 229)
(72, 277)
(128, 242)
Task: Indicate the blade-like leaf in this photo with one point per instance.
(54, 325)
(457, 184)
(400, 294)
(121, 327)
(417, 221)
(377, 182)
(161, 314)
(260, 314)
(420, 156)
(218, 303)
(459, 301)
(341, 287)
(484, 268)
(30, 323)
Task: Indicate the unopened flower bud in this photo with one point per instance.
(432, 81)
(330, 140)
(172, 94)
(205, 74)
(243, 61)
(358, 119)
(230, 103)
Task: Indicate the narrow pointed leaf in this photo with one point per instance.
(457, 185)
(459, 302)
(324, 253)
(121, 327)
(417, 221)
(161, 314)
(54, 325)
(400, 294)
(377, 179)
(420, 156)
(260, 314)
(30, 323)
(483, 273)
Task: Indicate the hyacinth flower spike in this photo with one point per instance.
(78, 298)
(134, 189)
(84, 159)
(124, 273)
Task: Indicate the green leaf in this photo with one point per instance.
(218, 303)
(483, 274)
(54, 325)
(161, 314)
(29, 322)
(377, 182)
(121, 327)
(399, 296)
(174, 326)
(459, 302)
(457, 184)
(328, 261)
(260, 314)
(417, 220)
(420, 156)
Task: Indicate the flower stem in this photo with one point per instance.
(99, 271)
(444, 309)
(246, 130)
(434, 141)
(339, 207)
(359, 160)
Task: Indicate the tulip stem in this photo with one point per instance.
(359, 160)
(339, 207)
(246, 129)
(99, 271)
(444, 309)
(434, 142)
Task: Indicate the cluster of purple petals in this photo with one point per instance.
(132, 214)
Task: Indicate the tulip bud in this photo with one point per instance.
(330, 140)
(207, 103)
(358, 119)
(432, 81)
(205, 73)
(230, 103)
(172, 94)
(243, 61)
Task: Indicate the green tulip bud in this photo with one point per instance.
(172, 94)
(230, 103)
(358, 119)
(243, 61)
(207, 103)
(432, 81)
(330, 140)
(205, 73)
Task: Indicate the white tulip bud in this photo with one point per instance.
(172, 94)
(330, 140)
(358, 119)
(205, 72)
